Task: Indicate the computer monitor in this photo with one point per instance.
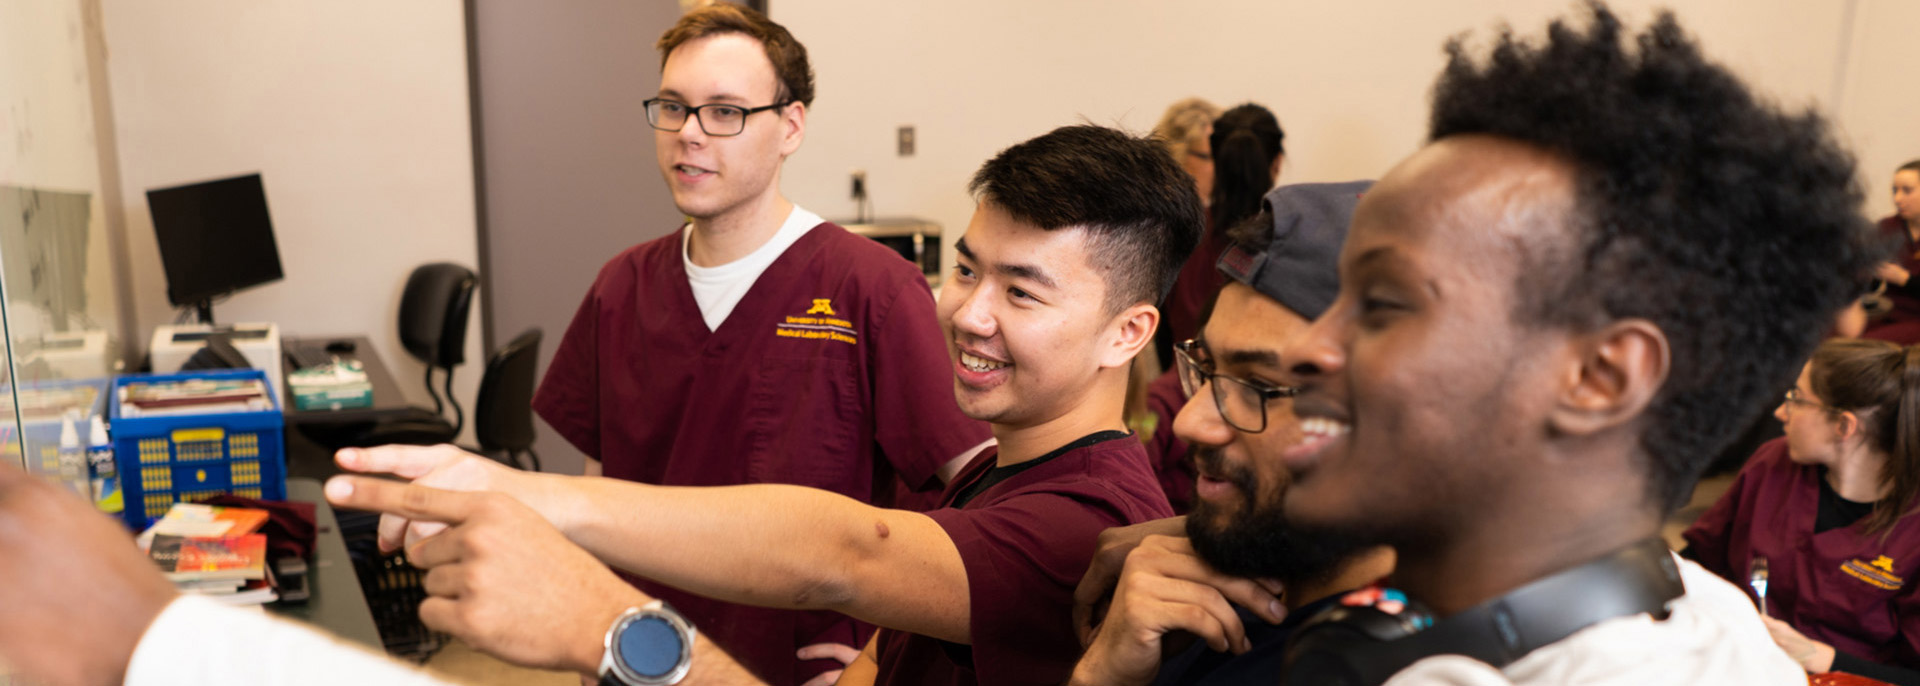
(215, 238)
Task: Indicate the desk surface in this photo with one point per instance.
(309, 458)
(338, 604)
(387, 397)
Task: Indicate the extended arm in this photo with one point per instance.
(507, 582)
(776, 546)
(767, 545)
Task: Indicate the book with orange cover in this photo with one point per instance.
(195, 520)
(201, 559)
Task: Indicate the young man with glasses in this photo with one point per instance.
(1233, 573)
(758, 344)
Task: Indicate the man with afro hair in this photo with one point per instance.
(1550, 319)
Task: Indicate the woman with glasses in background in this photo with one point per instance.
(1818, 524)
(1901, 322)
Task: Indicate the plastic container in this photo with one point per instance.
(175, 458)
(45, 407)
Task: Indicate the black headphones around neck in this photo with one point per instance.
(1381, 632)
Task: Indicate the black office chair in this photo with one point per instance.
(503, 412)
(434, 310)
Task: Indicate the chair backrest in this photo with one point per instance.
(503, 413)
(433, 313)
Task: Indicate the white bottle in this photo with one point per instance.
(73, 458)
(106, 475)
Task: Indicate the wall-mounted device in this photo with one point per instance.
(917, 240)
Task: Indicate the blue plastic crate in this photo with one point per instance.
(173, 458)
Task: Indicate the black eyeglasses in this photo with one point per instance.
(715, 119)
(1793, 398)
(1242, 403)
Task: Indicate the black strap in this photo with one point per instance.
(1641, 578)
(1355, 646)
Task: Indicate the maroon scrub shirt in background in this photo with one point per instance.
(1850, 590)
(1195, 287)
(1026, 541)
(832, 372)
(1901, 324)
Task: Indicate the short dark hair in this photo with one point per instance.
(1733, 226)
(793, 74)
(1138, 206)
(1911, 165)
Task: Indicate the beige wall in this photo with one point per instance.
(354, 111)
(1879, 108)
(1349, 80)
(47, 141)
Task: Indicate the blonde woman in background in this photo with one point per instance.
(1184, 128)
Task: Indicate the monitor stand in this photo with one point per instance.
(204, 309)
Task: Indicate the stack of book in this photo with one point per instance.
(213, 551)
(193, 396)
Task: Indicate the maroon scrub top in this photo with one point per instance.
(1165, 450)
(832, 372)
(1853, 591)
(1902, 324)
(1026, 541)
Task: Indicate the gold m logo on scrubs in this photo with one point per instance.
(1878, 573)
(825, 327)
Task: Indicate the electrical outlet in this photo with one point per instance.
(906, 141)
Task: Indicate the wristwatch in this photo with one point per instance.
(650, 645)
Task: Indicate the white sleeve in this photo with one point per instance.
(1449, 670)
(200, 641)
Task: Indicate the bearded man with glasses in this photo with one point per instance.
(758, 343)
(1233, 572)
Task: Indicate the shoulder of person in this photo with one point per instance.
(640, 257)
(1771, 458)
(1712, 636)
(1449, 670)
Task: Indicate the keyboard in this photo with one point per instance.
(308, 357)
(230, 333)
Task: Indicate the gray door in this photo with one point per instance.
(565, 159)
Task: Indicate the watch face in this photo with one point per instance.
(650, 646)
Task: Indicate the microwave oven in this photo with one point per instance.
(916, 240)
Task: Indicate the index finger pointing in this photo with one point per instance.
(395, 498)
(405, 461)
